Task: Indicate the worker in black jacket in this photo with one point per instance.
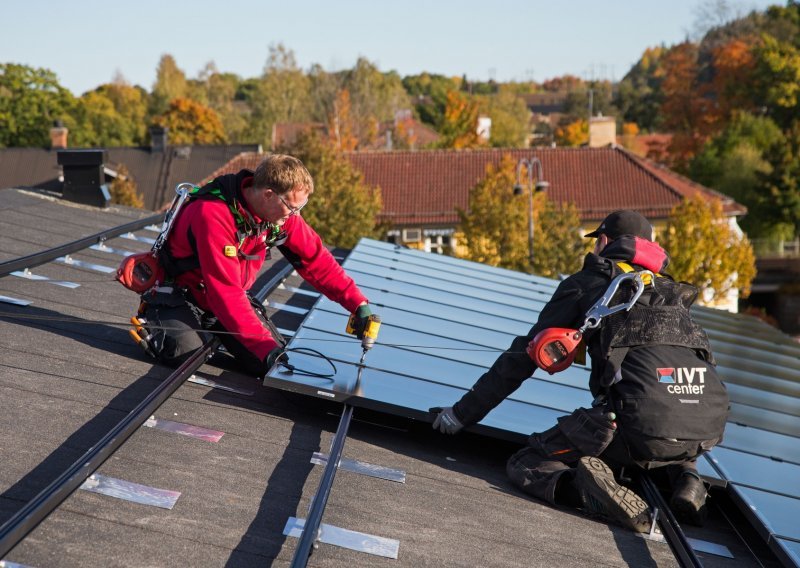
(658, 400)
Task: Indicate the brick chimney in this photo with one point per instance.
(602, 131)
(58, 136)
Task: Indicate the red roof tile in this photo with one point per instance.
(424, 187)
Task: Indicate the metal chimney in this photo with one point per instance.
(84, 177)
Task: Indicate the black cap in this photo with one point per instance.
(624, 222)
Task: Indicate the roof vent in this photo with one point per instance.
(84, 177)
(158, 138)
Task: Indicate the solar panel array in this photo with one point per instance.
(445, 321)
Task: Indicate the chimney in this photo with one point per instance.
(158, 138)
(602, 131)
(58, 135)
(484, 128)
(83, 177)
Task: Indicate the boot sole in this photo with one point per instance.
(601, 494)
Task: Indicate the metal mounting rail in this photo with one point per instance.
(311, 528)
(673, 533)
(38, 258)
(38, 508)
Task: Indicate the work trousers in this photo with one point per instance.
(548, 461)
(178, 328)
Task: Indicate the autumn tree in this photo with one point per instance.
(777, 78)
(192, 123)
(221, 93)
(343, 208)
(124, 190)
(170, 84)
(639, 96)
(113, 114)
(429, 95)
(341, 127)
(31, 100)
(573, 134)
(707, 251)
(495, 227)
(459, 126)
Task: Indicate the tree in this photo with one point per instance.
(341, 127)
(192, 123)
(31, 100)
(495, 228)
(510, 119)
(707, 252)
(459, 126)
(573, 134)
(123, 189)
(170, 84)
(111, 115)
(429, 95)
(343, 208)
(777, 77)
(282, 94)
(639, 94)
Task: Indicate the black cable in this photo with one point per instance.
(303, 372)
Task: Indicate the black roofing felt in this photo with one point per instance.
(63, 384)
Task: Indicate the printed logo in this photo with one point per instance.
(230, 250)
(683, 380)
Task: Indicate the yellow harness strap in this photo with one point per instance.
(625, 267)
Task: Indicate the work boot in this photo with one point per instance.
(688, 501)
(603, 496)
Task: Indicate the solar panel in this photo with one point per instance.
(446, 320)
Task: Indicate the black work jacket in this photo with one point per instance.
(567, 308)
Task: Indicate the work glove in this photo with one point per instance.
(361, 314)
(274, 355)
(446, 421)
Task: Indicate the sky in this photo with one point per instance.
(87, 42)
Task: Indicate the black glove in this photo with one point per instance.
(277, 354)
(361, 314)
(446, 420)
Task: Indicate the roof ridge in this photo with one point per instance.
(637, 160)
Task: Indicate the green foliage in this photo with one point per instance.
(282, 95)
(124, 191)
(778, 78)
(429, 93)
(577, 104)
(639, 94)
(31, 100)
(111, 115)
(343, 208)
(510, 119)
(170, 84)
(495, 229)
(707, 252)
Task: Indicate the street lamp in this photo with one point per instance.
(530, 164)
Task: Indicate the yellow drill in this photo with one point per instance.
(368, 331)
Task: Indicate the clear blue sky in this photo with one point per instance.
(86, 41)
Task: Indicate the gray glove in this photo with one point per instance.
(446, 421)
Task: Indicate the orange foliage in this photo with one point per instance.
(190, 122)
(341, 128)
(734, 65)
(563, 83)
(573, 134)
(459, 128)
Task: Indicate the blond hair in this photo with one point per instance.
(282, 173)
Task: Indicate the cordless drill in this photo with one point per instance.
(366, 330)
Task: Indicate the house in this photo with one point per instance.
(156, 169)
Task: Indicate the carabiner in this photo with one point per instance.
(601, 308)
(182, 191)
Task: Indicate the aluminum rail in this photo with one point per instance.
(673, 533)
(38, 258)
(38, 508)
(311, 527)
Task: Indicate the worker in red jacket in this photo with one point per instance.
(213, 254)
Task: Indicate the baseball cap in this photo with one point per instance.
(624, 222)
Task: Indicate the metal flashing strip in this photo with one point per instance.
(132, 237)
(358, 541)
(9, 564)
(14, 301)
(214, 384)
(300, 291)
(288, 308)
(102, 247)
(154, 228)
(87, 265)
(363, 468)
(710, 547)
(184, 429)
(129, 491)
(31, 276)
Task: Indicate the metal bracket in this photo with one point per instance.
(363, 468)
(358, 541)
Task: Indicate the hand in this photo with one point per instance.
(277, 354)
(361, 316)
(446, 421)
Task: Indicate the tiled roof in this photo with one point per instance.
(155, 173)
(425, 187)
(284, 134)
